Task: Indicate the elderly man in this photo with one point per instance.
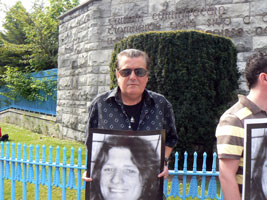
(130, 106)
(230, 130)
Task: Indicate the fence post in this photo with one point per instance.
(212, 189)
(175, 180)
(2, 172)
(203, 184)
(50, 173)
(71, 177)
(185, 176)
(193, 183)
(18, 170)
(43, 169)
(37, 173)
(13, 173)
(30, 169)
(7, 171)
(79, 177)
(56, 182)
(24, 172)
(64, 174)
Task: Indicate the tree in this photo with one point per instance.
(37, 31)
(14, 25)
(13, 46)
(42, 32)
(30, 44)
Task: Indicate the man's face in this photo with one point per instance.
(120, 178)
(132, 85)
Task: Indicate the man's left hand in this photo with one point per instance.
(165, 172)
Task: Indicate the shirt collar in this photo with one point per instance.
(115, 93)
(249, 104)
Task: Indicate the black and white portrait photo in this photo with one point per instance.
(255, 160)
(125, 164)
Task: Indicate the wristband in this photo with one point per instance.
(166, 161)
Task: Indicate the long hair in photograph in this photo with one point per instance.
(143, 155)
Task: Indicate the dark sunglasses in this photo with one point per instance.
(140, 72)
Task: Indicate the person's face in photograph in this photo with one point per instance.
(264, 178)
(132, 85)
(120, 178)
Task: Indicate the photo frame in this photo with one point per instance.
(125, 164)
(255, 160)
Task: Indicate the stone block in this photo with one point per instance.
(65, 83)
(64, 94)
(91, 46)
(82, 81)
(216, 2)
(108, 79)
(92, 79)
(244, 56)
(259, 7)
(104, 69)
(129, 9)
(82, 59)
(70, 120)
(240, 1)
(101, 79)
(243, 86)
(161, 5)
(102, 89)
(243, 44)
(100, 57)
(241, 66)
(259, 43)
(81, 127)
(236, 10)
(83, 117)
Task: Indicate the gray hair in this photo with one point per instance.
(133, 53)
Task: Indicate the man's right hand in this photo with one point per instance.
(85, 178)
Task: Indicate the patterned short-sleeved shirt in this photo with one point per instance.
(230, 131)
(107, 112)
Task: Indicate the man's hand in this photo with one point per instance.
(165, 172)
(85, 178)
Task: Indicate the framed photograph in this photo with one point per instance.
(255, 160)
(125, 164)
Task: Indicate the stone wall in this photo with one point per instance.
(88, 32)
(38, 123)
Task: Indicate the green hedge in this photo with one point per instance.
(197, 73)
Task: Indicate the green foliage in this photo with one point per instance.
(21, 84)
(197, 73)
(30, 44)
(38, 29)
(14, 25)
(42, 32)
(13, 55)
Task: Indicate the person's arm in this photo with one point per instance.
(165, 172)
(91, 123)
(171, 135)
(228, 169)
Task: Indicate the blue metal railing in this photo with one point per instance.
(45, 107)
(40, 172)
(207, 177)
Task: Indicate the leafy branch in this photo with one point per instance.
(24, 85)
